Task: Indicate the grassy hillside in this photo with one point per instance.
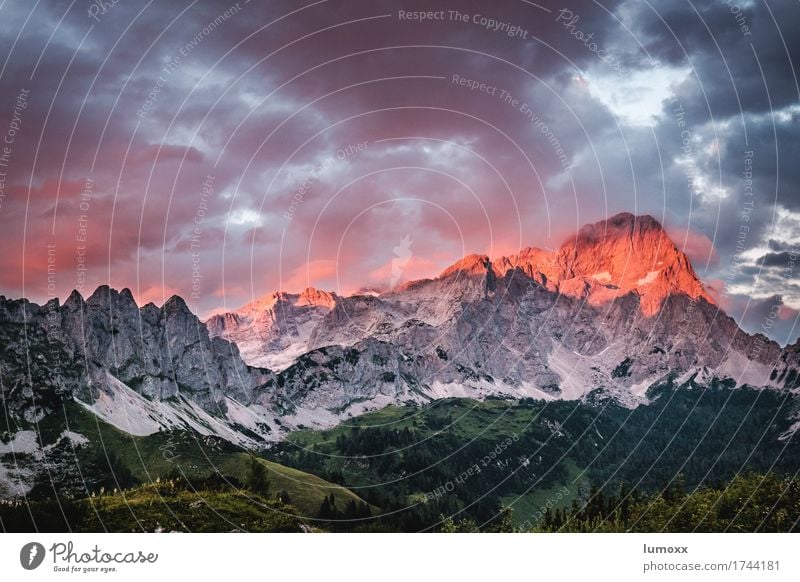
(167, 505)
(162, 506)
(304, 491)
(471, 459)
(453, 465)
(113, 460)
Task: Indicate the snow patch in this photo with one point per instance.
(16, 477)
(482, 389)
(380, 401)
(641, 388)
(649, 278)
(76, 438)
(125, 409)
(253, 353)
(23, 443)
(312, 418)
(604, 277)
(577, 378)
(790, 432)
(528, 390)
(744, 370)
(15, 481)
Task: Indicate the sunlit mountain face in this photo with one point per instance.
(223, 151)
(613, 314)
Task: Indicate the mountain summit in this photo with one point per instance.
(604, 261)
(613, 312)
(616, 308)
(612, 258)
(274, 330)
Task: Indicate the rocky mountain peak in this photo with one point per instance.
(471, 265)
(75, 300)
(101, 295)
(538, 264)
(617, 242)
(603, 261)
(107, 298)
(127, 296)
(309, 297)
(625, 254)
(175, 305)
(317, 298)
(275, 329)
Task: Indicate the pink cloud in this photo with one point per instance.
(317, 273)
(399, 270)
(697, 246)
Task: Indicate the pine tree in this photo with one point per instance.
(257, 479)
(325, 509)
(503, 523)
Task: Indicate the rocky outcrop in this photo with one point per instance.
(271, 332)
(38, 367)
(628, 254)
(160, 353)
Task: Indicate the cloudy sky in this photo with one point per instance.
(222, 150)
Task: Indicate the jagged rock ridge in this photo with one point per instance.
(614, 310)
(618, 307)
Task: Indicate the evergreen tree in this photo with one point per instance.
(257, 477)
(325, 511)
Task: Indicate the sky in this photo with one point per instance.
(222, 150)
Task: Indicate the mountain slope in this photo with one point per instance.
(617, 308)
(273, 331)
(623, 255)
(467, 458)
(74, 453)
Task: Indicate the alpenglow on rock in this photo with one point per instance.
(616, 309)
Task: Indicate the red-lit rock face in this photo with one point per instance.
(627, 253)
(610, 259)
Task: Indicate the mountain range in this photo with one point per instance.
(615, 310)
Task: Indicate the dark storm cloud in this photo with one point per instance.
(728, 45)
(775, 259)
(779, 246)
(738, 107)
